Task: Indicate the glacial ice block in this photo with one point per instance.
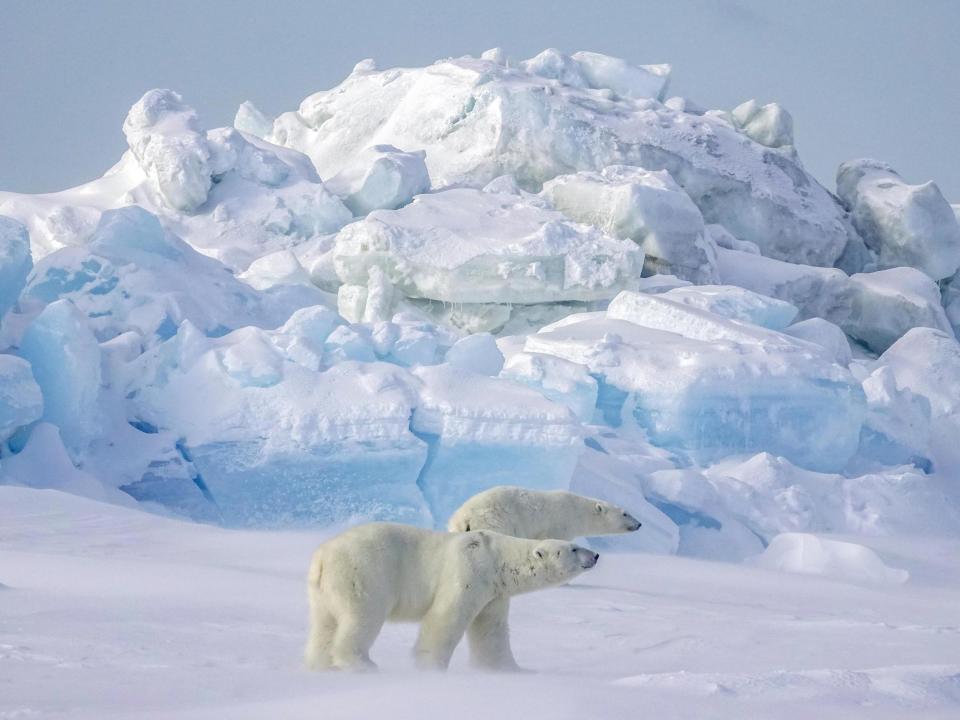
(811, 555)
(15, 262)
(484, 431)
(825, 334)
(560, 380)
(478, 119)
(469, 246)
(21, 401)
(381, 177)
(907, 225)
(736, 304)
(280, 444)
(647, 207)
(709, 387)
(65, 359)
(769, 124)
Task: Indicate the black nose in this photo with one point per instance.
(596, 556)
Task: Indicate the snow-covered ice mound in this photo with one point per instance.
(812, 555)
(478, 119)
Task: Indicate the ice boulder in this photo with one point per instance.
(165, 136)
(476, 353)
(279, 443)
(927, 363)
(825, 334)
(769, 124)
(15, 262)
(478, 119)
(736, 304)
(560, 380)
(707, 387)
(897, 427)
(65, 358)
(252, 120)
(134, 275)
(381, 178)
(21, 401)
(887, 303)
(647, 207)
(484, 431)
(626, 80)
(812, 555)
(469, 246)
(910, 225)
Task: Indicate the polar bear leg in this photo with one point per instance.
(489, 636)
(323, 625)
(442, 628)
(353, 638)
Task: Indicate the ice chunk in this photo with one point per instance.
(21, 401)
(485, 431)
(815, 291)
(560, 380)
(381, 178)
(897, 427)
(281, 444)
(722, 238)
(252, 120)
(709, 387)
(476, 353)
(630, 81)
(133, 275)
(647, 207)
(65, 359)
(825, 334)
(927, 362)
(736, 304)
(811, 555)
(478, 119)
(164, 135)
(887, 303)
(469, 246)
(769, 125)
(279, 268)
(15, 262)
(905, 224)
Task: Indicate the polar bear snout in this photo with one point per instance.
(630, 523)
(587, 558)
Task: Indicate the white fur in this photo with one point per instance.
(538, 514)
(451, 583)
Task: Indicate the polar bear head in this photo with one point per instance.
(556, 561)
(603, 518)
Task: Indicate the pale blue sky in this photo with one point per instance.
(861, 77)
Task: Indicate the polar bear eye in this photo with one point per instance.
(599, 508)
(539, 554)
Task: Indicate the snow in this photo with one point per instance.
(907, 225)
(209, 622)
(381, 178)
(736, 304)
(770, 125)
(804, 553)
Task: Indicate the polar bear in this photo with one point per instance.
(451, 583)
(539, 514)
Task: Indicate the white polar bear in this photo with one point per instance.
(451, 582)
(538, 514)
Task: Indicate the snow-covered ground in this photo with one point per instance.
(108, 612)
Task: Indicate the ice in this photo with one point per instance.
(927, 363)
(231, 195)
(164, 135)
(278, 443)
(381, 178)
(469, 246)
(887, 303)
(476, 353)
(769, 124)
(65, 358)
(722, 238)
(15, 262)
(133, 275)
(21, 401)
(478, 119)
(897, 427)
(629, 81)
(560, 380)
(485, 431)
(279, 268)
(910, 225)
(825, 334)
(647, 207)
(812, 555)
(706, 387)
(736, 304)
(252, 120)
